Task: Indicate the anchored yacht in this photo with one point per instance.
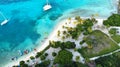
(47, 6)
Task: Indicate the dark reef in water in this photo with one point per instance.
(55, 16)
(11, 1)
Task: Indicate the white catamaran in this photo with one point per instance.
(5, 19)
(47, 6)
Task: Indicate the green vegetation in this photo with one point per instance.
(109, 61)
(28, 60)
(63, 57)
(43, 64)
(42, 57)
(82, 26)
(22, 64)
(46, 54)
(113, 31)
(42, 52)
(81, 42)
(98, 44)
(32, 58)
(77, 58)
(39, 54)
(73, 64)
(54, 54)
(113, 20)
(116, 38)
(62, 45)
(75, 49)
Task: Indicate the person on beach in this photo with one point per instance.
(35, 49)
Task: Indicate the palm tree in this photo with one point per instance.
(58, 33)
(69, 19)
(64, 32)
(63, 37)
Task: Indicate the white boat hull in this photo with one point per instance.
(47, 7)
(4, 22)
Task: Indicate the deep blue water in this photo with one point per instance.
(28, 22)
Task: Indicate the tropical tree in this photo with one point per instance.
(32, 57)
(42, 57)
(54, 54)
(113, 20)
(63, 57)
(113, 31)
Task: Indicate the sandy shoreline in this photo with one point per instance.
(40, 47)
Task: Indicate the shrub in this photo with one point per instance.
(27, 60)
(77, 58)
(69, 45)
(55, 44)
(112, 31)
(54, 54)
(22, 62)
(46, 54)
(63, 57)
(43, 64)
(42, 57)
(32, 58)
(75, 49)
(39, 54)
(83, 41)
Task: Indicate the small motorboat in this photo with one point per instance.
(4, 22)
(47, 6)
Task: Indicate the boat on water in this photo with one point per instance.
(47, 6)
(4, 22)
(5, 19)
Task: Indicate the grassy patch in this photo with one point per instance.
(116, 38)
(99, 44)
(109, 61)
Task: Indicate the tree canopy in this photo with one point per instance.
(63, 57)
(113, 20)
(109, 61)
(62, 45)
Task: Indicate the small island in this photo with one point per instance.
(81, 42)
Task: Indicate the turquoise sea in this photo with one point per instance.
(29, 23)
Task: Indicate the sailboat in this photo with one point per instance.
(47, 6)
(5, 19)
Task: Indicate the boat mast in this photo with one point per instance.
(47, 2)
(2, 15)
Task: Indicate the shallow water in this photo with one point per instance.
(29, 23)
